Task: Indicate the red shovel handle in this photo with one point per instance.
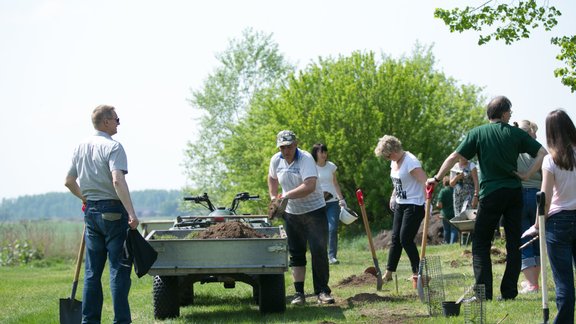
(429, 191)
(360, 197)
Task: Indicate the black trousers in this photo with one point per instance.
(407, 219)
(505, 202)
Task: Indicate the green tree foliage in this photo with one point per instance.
(248, 65)
(349, 103)
(511, 22)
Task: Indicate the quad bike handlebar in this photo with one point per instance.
(204, 200)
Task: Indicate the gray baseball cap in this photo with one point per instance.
(285, 137)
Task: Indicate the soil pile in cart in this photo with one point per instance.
(229, 230)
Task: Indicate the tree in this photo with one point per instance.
(349, 103)
(248, 65)
(513, 22)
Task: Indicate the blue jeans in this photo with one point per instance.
(505, 203)
(561, 247)
(531, 253)
(407, 219)
(333, 215)
(450, 232)
(310, 229)
(106, 227)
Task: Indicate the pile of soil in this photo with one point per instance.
(229, 230)
(435, 234)
(355, 281)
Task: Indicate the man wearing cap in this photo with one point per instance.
(305, 217)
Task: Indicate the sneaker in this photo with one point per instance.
(299, 299)
(529, 289)
(333, 261)
(325, 298)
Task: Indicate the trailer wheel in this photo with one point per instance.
(165, 295)
(186, 290)
(256, 294)
(272, 293)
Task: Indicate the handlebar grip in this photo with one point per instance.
(194, 198)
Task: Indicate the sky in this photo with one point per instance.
(59, 59)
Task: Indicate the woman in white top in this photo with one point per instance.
(407, 202)
(329, 184)
(558, 185)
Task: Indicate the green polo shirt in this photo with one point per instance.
(497, 146)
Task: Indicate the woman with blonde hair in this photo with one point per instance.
(530, 254)
(407, 202)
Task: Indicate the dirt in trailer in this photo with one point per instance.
(229, 230)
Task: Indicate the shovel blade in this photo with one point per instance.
(70, 311)
(420, 287)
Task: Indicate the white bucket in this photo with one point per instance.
(347, 215)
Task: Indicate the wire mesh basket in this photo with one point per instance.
(433, 283)
(475, 305)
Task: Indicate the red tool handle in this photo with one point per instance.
(429, 191)
(360, 197)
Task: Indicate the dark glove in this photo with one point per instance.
(273, 208)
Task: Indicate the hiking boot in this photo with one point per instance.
(333, 261)
(325, 298)
(299, 299)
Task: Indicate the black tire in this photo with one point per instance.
(165, 295)
(186, 291)
(256, 294)
(272, 293)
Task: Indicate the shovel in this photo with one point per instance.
(70, 308)
(376, 269)
(421, 280)
(541, 199)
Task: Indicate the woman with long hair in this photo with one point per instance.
(558, 184)
(329, 183)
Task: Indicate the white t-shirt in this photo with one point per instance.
(564, 192)
(408, 190)
(292, 175)
(326, 178)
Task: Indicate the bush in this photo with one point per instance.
(18, 252)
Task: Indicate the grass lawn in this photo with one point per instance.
(30, 294)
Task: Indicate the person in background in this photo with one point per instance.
(446, 205)
(407, 201)
(329, 184)
(497, 145)
(464, 180)
(531, 253)
(97, 177)
(558, 183)
(305, 217)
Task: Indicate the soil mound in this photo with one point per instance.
(361, 280)
(229, 230)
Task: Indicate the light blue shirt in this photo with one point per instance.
(93, 162)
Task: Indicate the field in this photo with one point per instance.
(30, 293)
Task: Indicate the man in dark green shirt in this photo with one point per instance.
(497, 146)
